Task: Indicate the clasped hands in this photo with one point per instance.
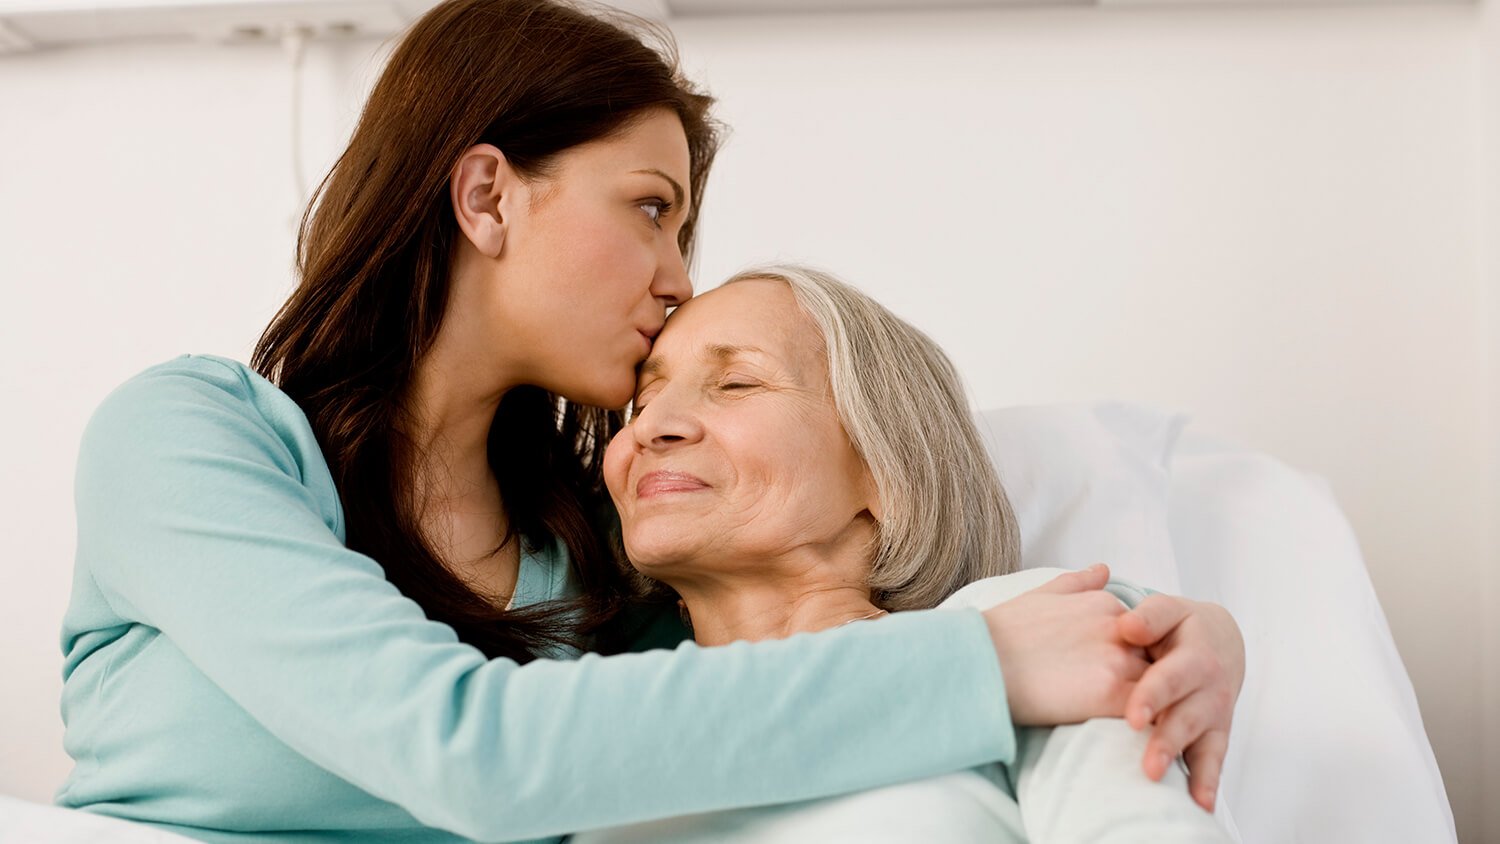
(1070, 652)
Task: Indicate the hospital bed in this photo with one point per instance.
(1328, 743)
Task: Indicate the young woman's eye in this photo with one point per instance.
(656, 209)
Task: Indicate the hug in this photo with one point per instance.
(413, 575)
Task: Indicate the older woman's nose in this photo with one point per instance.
(665, 424)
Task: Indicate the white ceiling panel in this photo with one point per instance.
(709, 8)
(39, 24)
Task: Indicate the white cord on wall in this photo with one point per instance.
(294, 38)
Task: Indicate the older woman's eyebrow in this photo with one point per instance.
(724, 351)
(653, 366)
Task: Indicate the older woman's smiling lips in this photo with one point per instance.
(663, 483)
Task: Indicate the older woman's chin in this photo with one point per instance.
(659, 557)
(652, 565)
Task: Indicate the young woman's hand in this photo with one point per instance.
(1061, 651)
(1190, 689)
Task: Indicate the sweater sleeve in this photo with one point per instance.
(194, 518)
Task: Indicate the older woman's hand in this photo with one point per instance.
(1190, 689)
(1061, 653)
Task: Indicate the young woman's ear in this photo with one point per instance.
(483, 189)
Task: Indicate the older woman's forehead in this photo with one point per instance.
(758, 315)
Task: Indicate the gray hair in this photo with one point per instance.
(946, 520)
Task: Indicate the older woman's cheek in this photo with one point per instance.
(617, 459)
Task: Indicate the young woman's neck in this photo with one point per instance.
(449, 409)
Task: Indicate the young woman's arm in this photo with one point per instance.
(206, 512)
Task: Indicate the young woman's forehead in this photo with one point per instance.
(656, 142)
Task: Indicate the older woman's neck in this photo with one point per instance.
(724, 612)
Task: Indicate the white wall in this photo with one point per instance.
(1273, 218)
(1489, 103)
(1266, 218)
(145, 200)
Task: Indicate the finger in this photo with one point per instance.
(1182, 726)
(1166, 681)
(1104, 603)
(1155, 763)
(1205, 761)
(1139, 664)
(1153, 619)
(1128, 672)
(1093, 577)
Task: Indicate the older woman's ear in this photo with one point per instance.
(873, 505)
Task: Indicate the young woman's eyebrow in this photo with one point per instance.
(677, 192)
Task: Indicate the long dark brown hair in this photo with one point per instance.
(534, 78)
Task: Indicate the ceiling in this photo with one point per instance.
(27, 25)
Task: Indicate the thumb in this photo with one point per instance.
(1093, 577)
(1153, 619)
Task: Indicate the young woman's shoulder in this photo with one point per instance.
(195, 412)
(201, 381)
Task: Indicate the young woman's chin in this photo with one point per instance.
(617, 396)
(613, 395)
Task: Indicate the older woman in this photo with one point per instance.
(801, 459)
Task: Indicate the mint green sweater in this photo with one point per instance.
(234, 673)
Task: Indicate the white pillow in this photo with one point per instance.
(1089, 484)
(1327, 743)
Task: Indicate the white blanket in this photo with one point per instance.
(1079, 784)
(22, 822)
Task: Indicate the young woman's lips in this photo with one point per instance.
(666, 483)
(649, 334)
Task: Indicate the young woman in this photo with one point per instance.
(309, 597)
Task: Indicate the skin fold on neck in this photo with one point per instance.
(806, 590)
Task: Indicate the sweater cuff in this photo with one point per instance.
(990, 721)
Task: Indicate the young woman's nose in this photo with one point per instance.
(672, 284)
